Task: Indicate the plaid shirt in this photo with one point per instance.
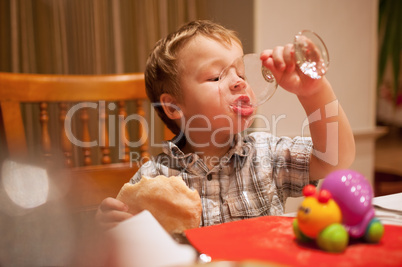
(253, 179)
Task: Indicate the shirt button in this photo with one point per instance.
(209, 177)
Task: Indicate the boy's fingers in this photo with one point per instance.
(277, 56)
(288, 55)
(108, 220)
(111, 212)
(115, 216)
(113, 204)
(266, 54)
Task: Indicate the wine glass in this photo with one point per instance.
(311, 56)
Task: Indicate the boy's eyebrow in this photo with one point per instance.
(214, 63)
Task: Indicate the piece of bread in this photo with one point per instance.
(175, 206)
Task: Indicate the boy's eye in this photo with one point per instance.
(241, 75)
(215, 79)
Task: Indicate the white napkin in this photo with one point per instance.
(389, 202)
(142, 241)
(389, 208)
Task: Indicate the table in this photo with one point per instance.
(270, 239)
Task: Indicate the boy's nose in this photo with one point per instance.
(238, 84)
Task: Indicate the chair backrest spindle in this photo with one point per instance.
(65, 143)
(45, 137)
(86, 139)
(143, 134)
(124, 149)
(104, 135)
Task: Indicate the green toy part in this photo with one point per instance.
(374, 231)
(333, 238)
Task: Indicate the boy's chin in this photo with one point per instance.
(242, 125)
(245, 122)
(247, 125)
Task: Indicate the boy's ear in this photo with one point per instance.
(170, 106)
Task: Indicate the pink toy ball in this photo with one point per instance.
(353, 193)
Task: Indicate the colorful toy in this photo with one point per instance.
(342, 209)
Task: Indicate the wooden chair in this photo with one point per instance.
(89, 184)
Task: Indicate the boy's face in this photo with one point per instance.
(204, 105)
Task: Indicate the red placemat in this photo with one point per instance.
(271, 239)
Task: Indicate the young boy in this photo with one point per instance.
(237, 177)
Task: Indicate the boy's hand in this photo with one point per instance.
(281, 62)
(111, 212)
(315, 95)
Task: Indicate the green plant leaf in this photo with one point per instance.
(396, 49)
(384, 36)
(390, 39)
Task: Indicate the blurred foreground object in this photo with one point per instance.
(142, 241)
(35, 224)
(342, 209)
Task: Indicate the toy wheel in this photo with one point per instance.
(374, 231)
(299, 235)
(334, 238)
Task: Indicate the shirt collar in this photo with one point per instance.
(192, 162)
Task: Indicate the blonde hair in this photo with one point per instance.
(162, 72)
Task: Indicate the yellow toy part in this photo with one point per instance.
(317, 212)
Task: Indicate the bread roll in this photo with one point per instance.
(171, 202)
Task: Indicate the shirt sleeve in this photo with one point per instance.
(291, 158)
(148, 169)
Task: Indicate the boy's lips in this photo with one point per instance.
(242, 106)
